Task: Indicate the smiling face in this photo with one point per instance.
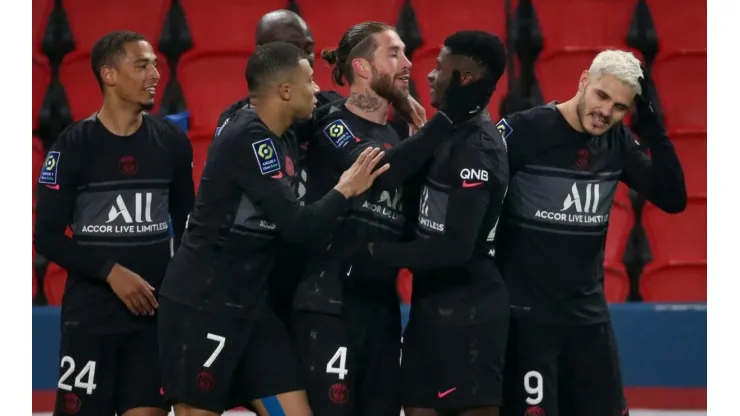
(134, 76)
(391, 69)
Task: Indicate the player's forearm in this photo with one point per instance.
(64, 251)
(181, 204)
(297, 224)
(409, 156)
(666, 183)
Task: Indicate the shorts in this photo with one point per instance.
(349, 369)
(107, 374)
(562, 370)
(451, 367)
(215, 363)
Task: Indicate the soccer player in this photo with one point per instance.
(565, 162)
(219, 341)
(115, 179)
(455, 341)
(347, 320)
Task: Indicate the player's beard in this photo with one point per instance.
(384, 85)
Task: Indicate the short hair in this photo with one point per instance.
(269, 61)
(357, 42)
(485, 49)
(272, 24)
(109, 49)
(622, 65)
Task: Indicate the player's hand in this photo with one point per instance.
(361, 175)
(135, 292)
(461, 102)
(648, 122)
(412, 111)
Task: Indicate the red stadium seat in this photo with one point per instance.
(54, 282)
(684, 103)
(37, 159)
(623, 197)
(674, 281)
(329, 19)
(692, 151)
(226, 84)
(226, 24)
(616, 283)
(403, 285)
(41, 10)
(621, 221)
(41, 74)
(200, 142)
(558, 72)
(438, 21)
(425, 61)
(568, 24)
(677, 237)
(680, 24)
(82, 90)
(91, 19)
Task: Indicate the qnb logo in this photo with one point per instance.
(474, 174)
(589, 206)
(142, 211)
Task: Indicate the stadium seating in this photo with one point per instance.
(37, 159)
(692, 151)
(226, 24)
(226, 84)
(41, 76)
(329, 19)
(684, 103)
(621, 221)
(323, 78)
(437, 21)
(200, 142)
(616, 283)
(403, 285)
(426, 60)
(81, 87)
(41, 10)
(91, 19)
(54, 281)
(680, 24)
(674, 281)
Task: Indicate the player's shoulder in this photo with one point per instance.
(335, 123)
(232, 110)
(527, 121)
(77, 133)
(243, 127)
(327, 97)
(165, 127)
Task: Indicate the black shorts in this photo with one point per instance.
(215, 363)
(349, 369)
(567, 371)
(106, 374)
(450, 367)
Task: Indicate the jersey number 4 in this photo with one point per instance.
(85, 378)
(341, 369)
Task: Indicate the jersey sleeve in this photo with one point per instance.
(659, 178)
(256, 167)
(475, 180)
(182, 189)
(341, 146)
(56, 193)
(513, 129)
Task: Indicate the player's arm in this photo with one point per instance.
(659, 178)
(405, 159)
(256, 168)
(182, 190)
(56, 195)
(467, 205)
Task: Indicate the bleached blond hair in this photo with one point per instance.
(622, 65)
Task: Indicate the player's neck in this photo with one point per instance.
(569, 111)
(276, 121)
(120, 118)
(365, 103)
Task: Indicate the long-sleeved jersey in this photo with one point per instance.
(244, 208)
(117, 195)
(459, 208)
(553, 230)
(342, 271)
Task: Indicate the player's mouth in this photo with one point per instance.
(599, 121)
(152, 89)
(404, 78)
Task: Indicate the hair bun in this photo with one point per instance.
(330, 56)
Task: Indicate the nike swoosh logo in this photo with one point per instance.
(54, 187)
(278, 175)
(350, 270)
(467, 184)
(442, 394)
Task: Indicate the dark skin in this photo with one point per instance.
(286, 26)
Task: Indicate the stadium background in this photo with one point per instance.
(655, 263)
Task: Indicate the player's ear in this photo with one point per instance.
(284, 91)
(362, 68)
(466, 77)
(108, 75)
(583, 81)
